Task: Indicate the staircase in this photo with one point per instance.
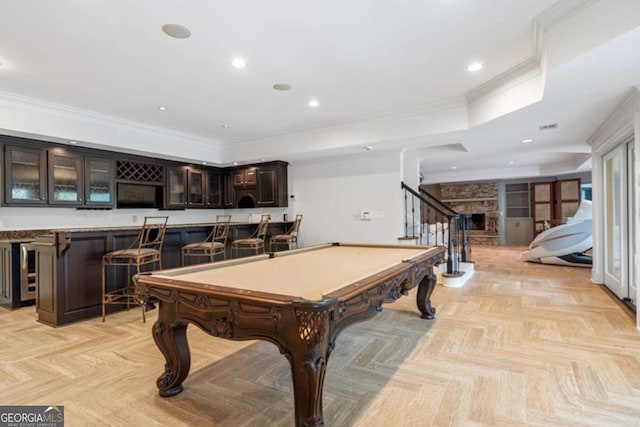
(428, 221)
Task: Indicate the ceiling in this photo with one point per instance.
(386, 74)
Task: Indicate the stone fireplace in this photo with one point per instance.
(480, 199)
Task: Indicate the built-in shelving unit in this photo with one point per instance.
(518, 228)
(518, 200)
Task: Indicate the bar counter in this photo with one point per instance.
(69, 263)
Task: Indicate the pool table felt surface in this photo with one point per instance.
(308, 274)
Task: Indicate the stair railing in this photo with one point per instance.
(450, 229)
(464, 224)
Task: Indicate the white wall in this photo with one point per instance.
(331, 193)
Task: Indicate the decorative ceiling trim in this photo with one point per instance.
(542, 24)
(507, 80)
(618, 126)
(65, 110)
(562, 11)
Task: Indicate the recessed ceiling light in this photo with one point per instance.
(238, 62)
(476, 66)
(162, 107)
(73, 142)
(511, 162)
(527, 140)
(549, 126)
(368, 147)
(226, 126)
(282, 87)
(204, 163)
(314, 103)
(262, 159)
(176, 31)
(235, 163)
(454, 167)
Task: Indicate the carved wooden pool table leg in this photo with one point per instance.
(171, 339)
(425, 289)
(308, 352)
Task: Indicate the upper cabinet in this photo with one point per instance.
(57, 177)
(80, 180)
(175, 187)
(196, 188)
(66, 182)
(245, 177)
(185, 187)
(272, 185)
(38, 173)
(258, 185)
(213, 189)
(25, 175)
(228, 192)
(99, 178)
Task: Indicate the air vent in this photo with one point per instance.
(549, 126)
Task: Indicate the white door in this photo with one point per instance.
(614, 215)
(633, 245)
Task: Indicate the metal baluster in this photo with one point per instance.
(406, 225)
(466, 219)
(449, 254)
(413, 216)
(463, 240)
(452, 262)
(428, 220)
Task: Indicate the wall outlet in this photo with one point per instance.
(134, 218)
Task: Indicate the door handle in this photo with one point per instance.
(25, 258)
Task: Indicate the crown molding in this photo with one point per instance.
(618, 126)
(65, 110)
(514, 76)
(550, 19)
(561, 12)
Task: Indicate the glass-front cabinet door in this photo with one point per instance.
(66, 182)
(196, 188)
(99, 181)
(25, 178)
(214, 186)
(176, 180)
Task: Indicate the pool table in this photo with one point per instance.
(299, 300)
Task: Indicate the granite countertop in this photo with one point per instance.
(18, 236)
(137, 226)
(29, 235)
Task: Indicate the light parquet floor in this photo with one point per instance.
(520, 345)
